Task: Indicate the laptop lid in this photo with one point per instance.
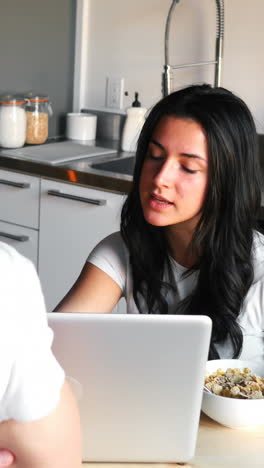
(140, 381)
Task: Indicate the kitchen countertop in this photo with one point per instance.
(78, 171)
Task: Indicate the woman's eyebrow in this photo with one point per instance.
(191, 155)
(155, 142)
(187, 155)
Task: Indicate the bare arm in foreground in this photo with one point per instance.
(93, 292)
(50, 442)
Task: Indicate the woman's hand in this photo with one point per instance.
(6, 458)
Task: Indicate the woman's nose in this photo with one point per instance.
(166, 173)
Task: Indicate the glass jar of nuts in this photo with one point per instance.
(38, 111)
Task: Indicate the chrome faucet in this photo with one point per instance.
(166, 76)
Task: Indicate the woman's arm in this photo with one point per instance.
(50, 442)
(93, 292)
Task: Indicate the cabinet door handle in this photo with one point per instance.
(93, 201)
(21, 238)
(15, 184)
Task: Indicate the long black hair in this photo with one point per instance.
(224, 233)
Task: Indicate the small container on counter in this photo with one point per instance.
(38, 111)
(81, 126)
(12, 121)
(133, 124)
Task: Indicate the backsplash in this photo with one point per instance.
(37, 53)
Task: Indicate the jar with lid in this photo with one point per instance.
(12, 121)
(38, 111)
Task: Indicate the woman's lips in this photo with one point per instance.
(159, 202)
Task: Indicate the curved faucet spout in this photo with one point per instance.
(166, 76)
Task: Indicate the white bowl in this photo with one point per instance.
(233, 412)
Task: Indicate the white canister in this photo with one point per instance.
(81, 126)
(12, 122)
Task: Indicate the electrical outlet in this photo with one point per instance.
(115, 92)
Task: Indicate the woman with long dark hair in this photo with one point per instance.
(188, 242)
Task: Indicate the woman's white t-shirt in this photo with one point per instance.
(111, 256)
(31, 378)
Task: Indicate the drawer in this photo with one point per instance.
(24, 240)
(19, 198)
(72, 195)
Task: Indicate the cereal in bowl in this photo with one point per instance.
(235, 383)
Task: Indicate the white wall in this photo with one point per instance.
(126, 38)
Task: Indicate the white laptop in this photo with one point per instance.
(139, 381)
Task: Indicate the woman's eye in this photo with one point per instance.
(156, 157)
(190, 171)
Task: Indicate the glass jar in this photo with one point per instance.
(12, 121)
(38, 111)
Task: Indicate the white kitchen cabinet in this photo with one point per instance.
(19, 212)
(24, 240)
(19, 198)
(73, 220)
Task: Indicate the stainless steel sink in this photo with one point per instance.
(119, 166)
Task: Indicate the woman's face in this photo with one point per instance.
(174, 176)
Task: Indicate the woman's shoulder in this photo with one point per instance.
(111, 250)
(112, 243)
(115, 239)
(111, 256)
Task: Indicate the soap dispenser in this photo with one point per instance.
(133, 124)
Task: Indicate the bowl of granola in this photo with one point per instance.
(234, 392)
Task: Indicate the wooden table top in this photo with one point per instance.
(217, 446)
